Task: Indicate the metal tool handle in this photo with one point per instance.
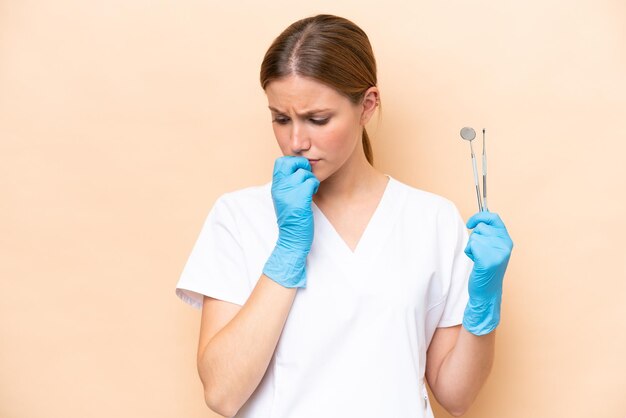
(485, 183)
(480, 204)
(484, 174)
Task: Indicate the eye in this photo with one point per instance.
(320, 121)
(280, 121)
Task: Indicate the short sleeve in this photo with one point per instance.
(216, 266)
(455, 268)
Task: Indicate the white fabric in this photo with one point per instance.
(354, 343)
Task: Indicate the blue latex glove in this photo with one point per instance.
(293, 187)
(489, 246)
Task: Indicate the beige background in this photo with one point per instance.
(122, 121)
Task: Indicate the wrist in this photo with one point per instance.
(286, 266)
(290, 245)
(482, 315)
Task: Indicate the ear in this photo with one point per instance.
(370, 102)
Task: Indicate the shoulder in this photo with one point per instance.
(247, 198)
(244, 208)
(425, 201)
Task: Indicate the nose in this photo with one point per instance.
(299, 140)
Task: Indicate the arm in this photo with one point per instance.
(236, 358)
(234, 361)
(458, 364)
(460, 358)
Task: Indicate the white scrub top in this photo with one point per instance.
(354, 343)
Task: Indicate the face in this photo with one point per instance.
(314, 121)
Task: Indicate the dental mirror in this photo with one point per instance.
(468, 134)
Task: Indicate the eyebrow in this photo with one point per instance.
(309, 113)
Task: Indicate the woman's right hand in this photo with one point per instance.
(293, 187)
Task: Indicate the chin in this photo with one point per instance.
(322, 175)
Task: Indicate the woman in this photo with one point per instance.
(335, 290)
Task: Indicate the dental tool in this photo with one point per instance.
(484, 174)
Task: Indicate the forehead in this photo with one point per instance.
(302, 93)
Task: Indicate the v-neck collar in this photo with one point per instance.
(372, 238)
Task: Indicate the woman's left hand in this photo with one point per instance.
(489, 247)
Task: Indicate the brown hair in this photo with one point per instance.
(329, 49)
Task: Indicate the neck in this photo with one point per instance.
(353, 179)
